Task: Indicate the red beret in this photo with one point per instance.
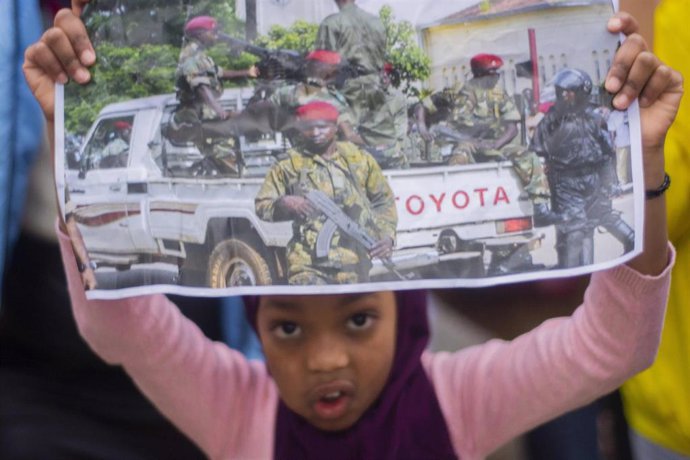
(318, 110)
(325, 56)
(121, 125)
(482, 63)
(200, 23)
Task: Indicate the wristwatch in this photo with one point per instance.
(82, 267)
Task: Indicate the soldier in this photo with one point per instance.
(360, 38)
(432, 111)
(351, 178)
(484, 124)
(581, 170)
(199, 116)
(384, 125)
(115, 153)
(320, 70)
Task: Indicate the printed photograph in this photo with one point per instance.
(292, 146)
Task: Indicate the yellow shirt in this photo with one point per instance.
(657, 401)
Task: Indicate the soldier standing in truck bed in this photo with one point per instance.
(486, 119)
(380, 110)
(580, 161)
(360, 38)
(351, 178)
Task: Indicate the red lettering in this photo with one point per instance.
(464, 196)
(480, 192)
(501, 195)
(438, 201)
(420, 208)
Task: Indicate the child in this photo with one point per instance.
(346, 376)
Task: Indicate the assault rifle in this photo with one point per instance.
(274, 64)
(337, 219)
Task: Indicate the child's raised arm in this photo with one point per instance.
(193, 382)
(637, 73)
(64, 51)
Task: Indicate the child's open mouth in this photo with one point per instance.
(332, 400)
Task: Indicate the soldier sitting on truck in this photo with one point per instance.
(199, 117)
(349, 178)
(482, 121)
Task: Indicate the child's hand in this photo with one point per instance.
(637, 72)
(64, 51)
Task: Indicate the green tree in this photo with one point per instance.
(138, 46)
(122, 73)
(300, 36)
(409, 61)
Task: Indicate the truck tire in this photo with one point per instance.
(235, 263)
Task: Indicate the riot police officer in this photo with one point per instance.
(580, 161)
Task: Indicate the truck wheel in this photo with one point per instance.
(234, 263)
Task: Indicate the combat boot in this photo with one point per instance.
(623, 233)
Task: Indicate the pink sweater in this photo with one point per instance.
(488, 393)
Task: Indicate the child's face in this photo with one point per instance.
(330, 355)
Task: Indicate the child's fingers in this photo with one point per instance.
(41, 70)
(623, 61)
(662, 80)
(75, 31)
(623, 23)
(78, 6)
(640, 72)
(57, 42)
(41, 62)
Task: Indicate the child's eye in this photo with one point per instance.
(360, 321)
(287, 330)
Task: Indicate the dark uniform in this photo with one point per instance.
(580, 160)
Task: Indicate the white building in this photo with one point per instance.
(569, 33)
(286, 12)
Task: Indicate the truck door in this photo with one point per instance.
(98, 188)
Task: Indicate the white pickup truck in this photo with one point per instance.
(153, 205)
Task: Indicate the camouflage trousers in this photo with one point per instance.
(390, 156)
(526, 164)
(341, 266)
(362, 92)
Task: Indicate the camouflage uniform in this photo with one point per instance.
(481, 113)
(360, 38)
(112, 155)
(384, 128)
(196, 68)
(354, 181)
(439, 108)
(292, 96)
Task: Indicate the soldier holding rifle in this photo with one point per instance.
(481, 118)
(199, 86)
(349, 177)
